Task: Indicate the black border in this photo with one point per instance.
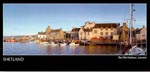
(79, 63)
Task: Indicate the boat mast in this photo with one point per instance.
(131, 21)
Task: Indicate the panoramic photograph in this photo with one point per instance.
(75, 29)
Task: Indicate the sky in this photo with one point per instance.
(29, 19)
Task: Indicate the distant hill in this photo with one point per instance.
(19, 36)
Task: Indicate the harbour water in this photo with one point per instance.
(17, 48)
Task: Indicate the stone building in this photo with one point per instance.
(51, 33)
(124, 32)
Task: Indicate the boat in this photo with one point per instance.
(135, 50)
(77, 44)
(73, 44)
(31, 42)
(53, 44)
(11, 40)
(46, 43)
(63, 44)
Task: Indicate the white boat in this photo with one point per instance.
(43, 42)
(73, 44)
(46, 43)
(63, 44)
(53, 44)
(31, 42)
(77, 44)
(135, 51)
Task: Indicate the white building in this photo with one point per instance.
(41, 35)
(90, 30)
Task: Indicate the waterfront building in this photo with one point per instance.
(137, 34)
(74, 33)
(124, 33)
(91, 30)
(56, 34)
(141, 33)
(41, 35)
(67, 35)
(51, 33)
(85, 31)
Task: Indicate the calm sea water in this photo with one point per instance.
(16, 48)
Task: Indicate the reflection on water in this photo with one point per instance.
(39, 49)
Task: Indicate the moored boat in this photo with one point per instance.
(45, 43)
(135, 50)
(63, 44)
(73, 44)
(11, 40)
(53, 44)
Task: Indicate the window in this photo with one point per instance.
(101, 33)
(95, 31)
(106, 33)
(111, 33)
